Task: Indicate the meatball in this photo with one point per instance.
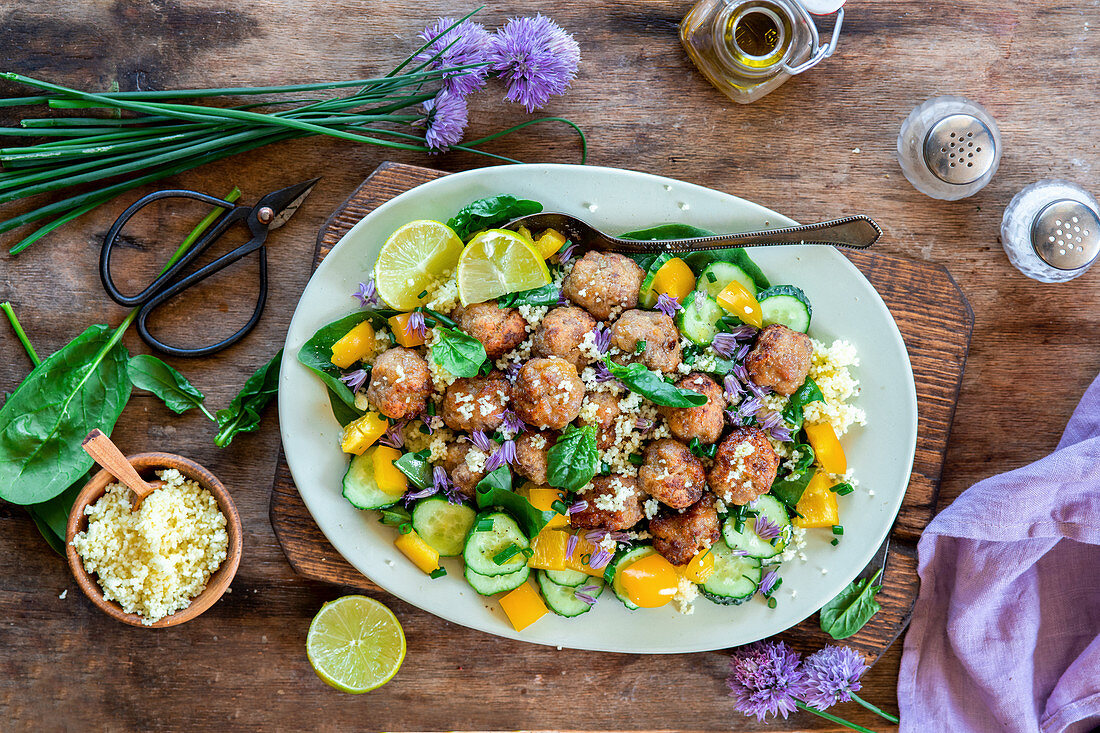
(531, 450)
(704, 422)
(603, 283)
(671, 474)
(498, 329)
(400, 383)
(658, 331)
(780, 359)
(560, 334)
(607, 409)
(462, 476)
(476, 403)
(744, 467)
(680, 536)
(623, 491)
(547, 393)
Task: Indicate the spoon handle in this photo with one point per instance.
(855, 232)
(107, 454)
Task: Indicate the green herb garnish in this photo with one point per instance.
(852, 609)
(804, 395)
(638, 379)
(437, 573)
(459, 353)
(842, 489)
(490, 212)
(506, 554)
(572, 461)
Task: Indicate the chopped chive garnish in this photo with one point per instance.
(405, 528)
(838, 529)
(424, 430)
(842, 489)
(835, 542)
(431, 408)
(639, 347)
(586, 558)
(437, 573)
(636, 459)
(772, 603)
(560, 507)
(485, 524)
(605, 468)
(423, 294)
(711, 277)
(507, 554)
(528, 552)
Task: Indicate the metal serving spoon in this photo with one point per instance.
(855, 232)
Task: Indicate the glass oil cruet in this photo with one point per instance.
(747, 48)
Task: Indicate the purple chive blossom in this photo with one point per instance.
(566, 255)
(748, 408)
(416, 325)
(577, 507)
(395, 435)
(742, 352)
(512, 370)
(442, 483)
(481, 440)
(741, 373)
(467, 43)
(445, 118)
(744, 331)
(758, 390)
(603, 339)
(571, 545)
(769, 420)
(644, 424)
(503, 455)
(427, 420)
(600, 558)
(355, 380)
(585, 594)
(764, 679)
(596, 536)
(422, 493)
(536, 58)
(832, 675)
(767, 583)
(733, 389)
(782, 433)
(562, 300)
(367, 294)
(668, 305)
(511, 422)
(725, 344)
(603, 374)
(766, 529)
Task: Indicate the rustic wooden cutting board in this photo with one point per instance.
(935, 321)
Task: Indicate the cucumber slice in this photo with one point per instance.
(717, 275)
(612, 572)
(572, 578)
(482, 547)
(748, 541)
(734, 579)
(361, 489)
(562, 599)
(699, 318)
(487, 585)
(443, 525)
(787, 306)
(646, 297)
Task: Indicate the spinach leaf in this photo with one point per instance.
(698, 261)
(343, 413)
(416, 468)
(153, 375)
(52, 516)
(572, 461)
(396, 516)
(457, 352)
(641, 380)
(81, 386)
(496, 490)
(804, 395)
(666, 231)
(489, 212)
(546, 295)
(790, 488)
(848, 612)
(243, 413)
(317, 352)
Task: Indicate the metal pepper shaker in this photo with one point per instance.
(1051, 230)
(949, 148)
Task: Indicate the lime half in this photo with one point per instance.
(355, 644)
(415, 255)
(497, 262)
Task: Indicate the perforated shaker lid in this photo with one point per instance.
(959, 149)
(1066, 234)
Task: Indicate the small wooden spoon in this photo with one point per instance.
(106, 453)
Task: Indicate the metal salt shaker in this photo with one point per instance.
(1051, 230)
(949, 148)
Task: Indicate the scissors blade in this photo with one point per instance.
(286, 201)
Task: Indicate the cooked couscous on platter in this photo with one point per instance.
(664, 425)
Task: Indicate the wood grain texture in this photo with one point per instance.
(1032, 64)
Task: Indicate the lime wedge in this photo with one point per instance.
(414, 256)
(355, 644)
(497, 262)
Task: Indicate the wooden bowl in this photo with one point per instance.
(146, 463)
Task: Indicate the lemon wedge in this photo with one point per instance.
(497, 262)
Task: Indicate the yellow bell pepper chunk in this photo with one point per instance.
(389, 478)
(740, 302)
(818, 505)
(417, 550)
(361, 434)
(650, 581)
(543, 498)
(403, 337)
(524, 606)
(675, 279)
(827, 448)
(549, 243)
(355, 345)
(548, 550)
(700, 567)
(526, 234)
(582, 556)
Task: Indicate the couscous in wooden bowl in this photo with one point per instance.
(146, 464)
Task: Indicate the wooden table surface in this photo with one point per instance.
(820, 146)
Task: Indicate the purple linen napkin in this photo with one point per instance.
(1005, 633)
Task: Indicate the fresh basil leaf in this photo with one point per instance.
(852, 609)
(489, 212)
(153, 375)
(573, 460)
(698, 261)
(496, 490)
(244, 412)
(317, 352)
(546, 295)
(638, 379)
(81, 386)
(416, 468)
(790, 488)
(804, 395)
(457, 352)
(395, 515)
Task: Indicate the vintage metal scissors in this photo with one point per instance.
(269, 213)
